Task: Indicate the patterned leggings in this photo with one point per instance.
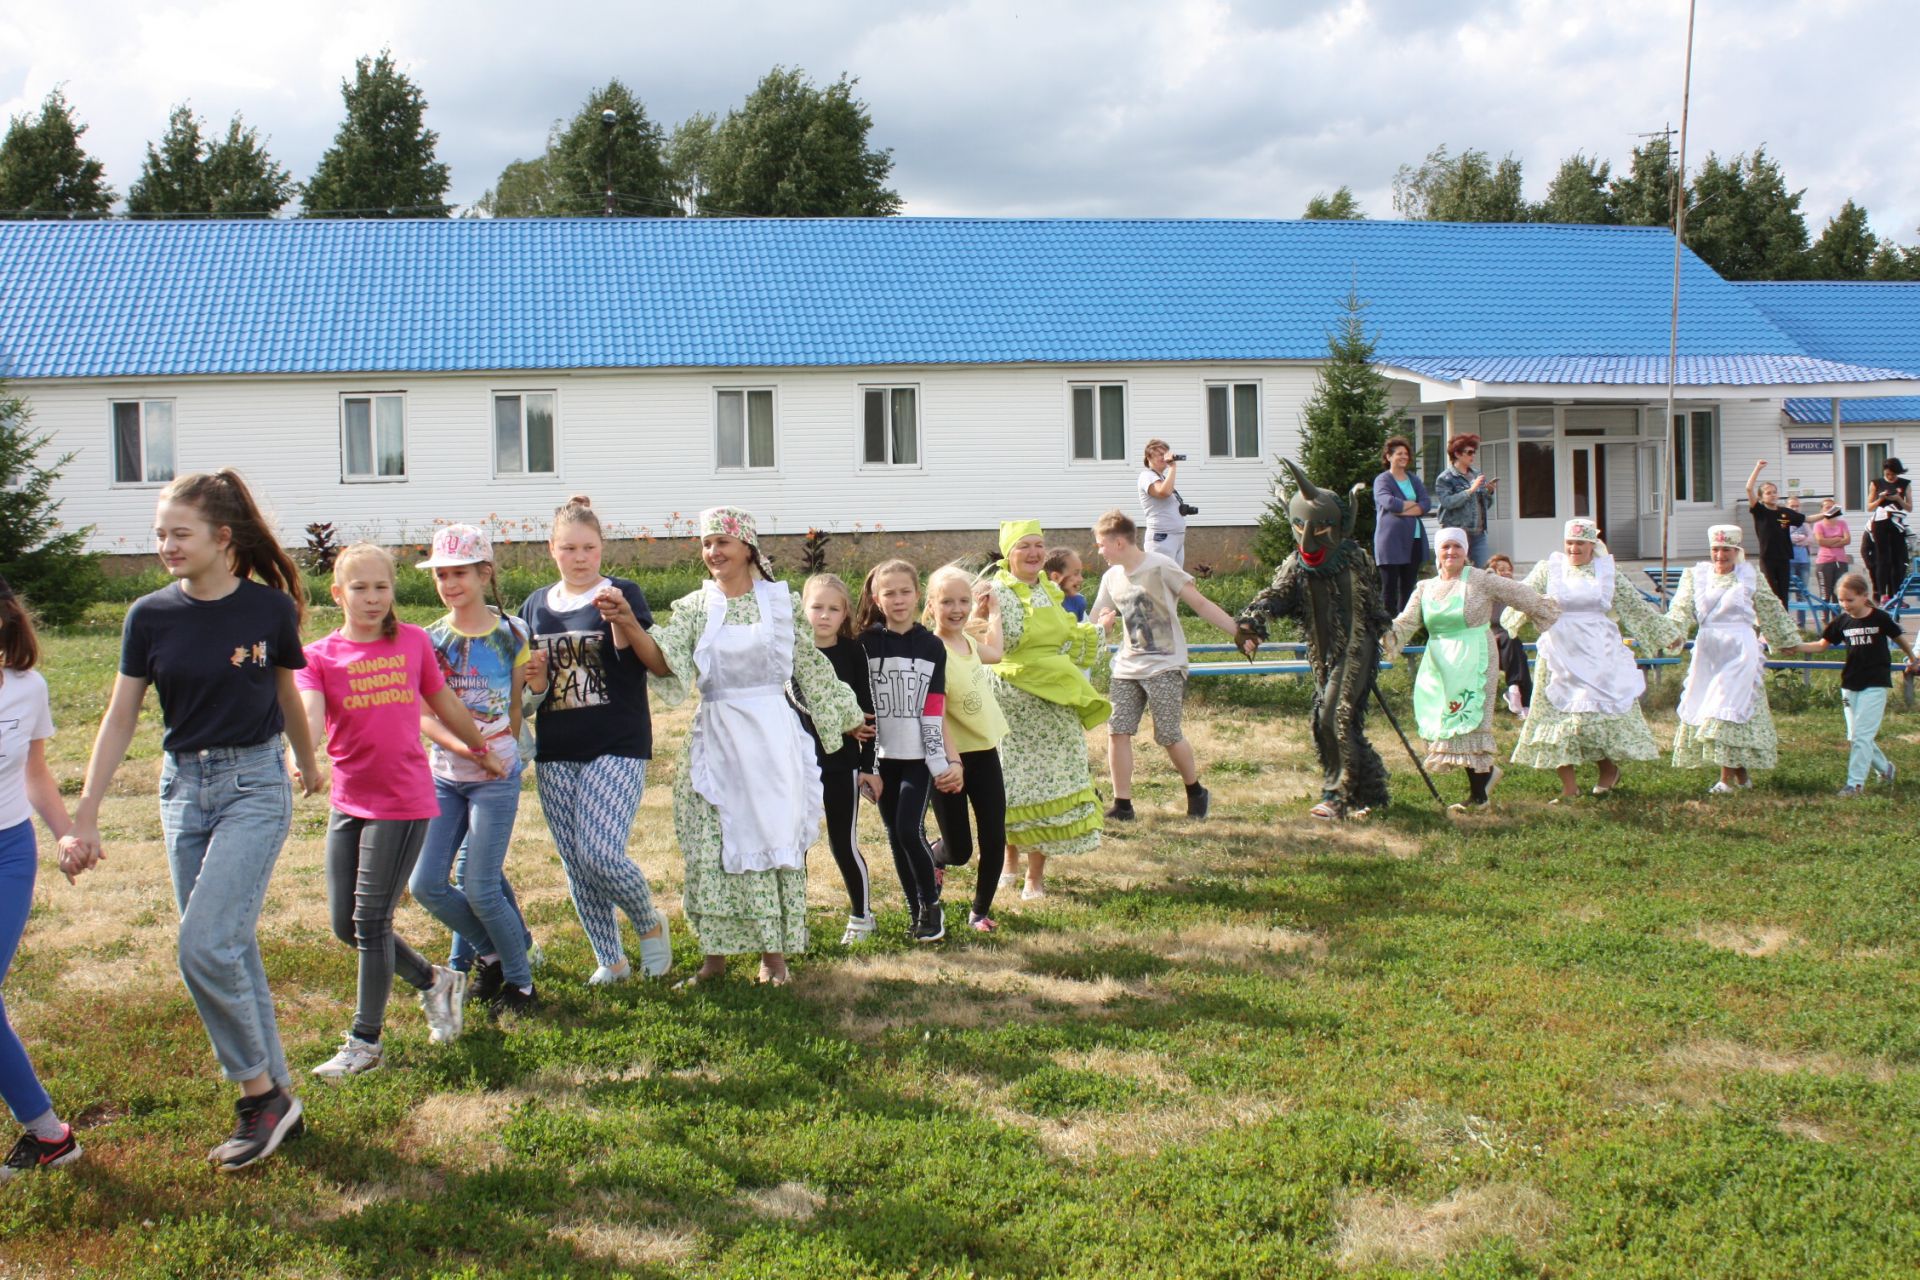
(590, 807)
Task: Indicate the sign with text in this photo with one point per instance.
(1809, 446)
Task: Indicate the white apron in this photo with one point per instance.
(1593, 671)
(752, 761)
(1727, 662)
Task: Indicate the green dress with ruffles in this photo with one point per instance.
(1049, 706)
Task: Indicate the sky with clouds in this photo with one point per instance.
(1110, 108)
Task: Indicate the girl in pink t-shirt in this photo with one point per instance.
(1831, 537)
(366, 683)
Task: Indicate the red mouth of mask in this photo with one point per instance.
(1312, 559)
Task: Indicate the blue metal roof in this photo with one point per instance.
(122, 298)
(1692, 371)
(1858, 321)
(1871, 409)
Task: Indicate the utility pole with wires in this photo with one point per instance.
(609, 119)
(1673, 324)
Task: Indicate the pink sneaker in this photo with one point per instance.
(981, 924)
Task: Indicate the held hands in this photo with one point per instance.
(951, 781)
(986, 601)
(613, 605)
(80, 850)
(495, 766)
(866, 732)
(1104, 619)
(1246, 640)
(537, 668)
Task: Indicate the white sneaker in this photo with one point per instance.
(355, 1056)
(1032, 893)
(606, 977)
(444, 1006)
(1720, 789)
(859, 929)
(1513, 700)
(656, 953)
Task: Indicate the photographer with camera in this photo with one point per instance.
(1165, 509)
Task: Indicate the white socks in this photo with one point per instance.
(47, 1127)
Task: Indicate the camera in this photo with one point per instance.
(1176, 457)
(1188, 509)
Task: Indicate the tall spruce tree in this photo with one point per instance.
(1342, 427)
(44, 171)
(185, 174)
(39, 557)
(1644, 195)
(382, 163)
(578, 156)
(795, 150)
(1845, 250)
(173, 178)
(1744, 222)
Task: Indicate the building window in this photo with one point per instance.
(1429, 435)
(1864, 462)
(142, 441)
(1696, 456)
(890, 426)
(1100, 422)
(523, 433)
(1233, 420)
(745, 427)
(373, 432)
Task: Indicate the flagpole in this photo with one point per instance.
(1673, 324)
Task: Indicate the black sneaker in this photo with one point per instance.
(488, 979)
(1198, 798)
(930, 925)
(512, 1000)
(37, 1153)
(261, 1125)
(1122, 811)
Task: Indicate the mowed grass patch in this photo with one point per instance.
(1652, 1034)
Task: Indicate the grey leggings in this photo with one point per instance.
(368, 863)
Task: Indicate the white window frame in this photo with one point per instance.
(773, 407)
(1413, 422)
(1230, 386)
(493, 439)
(1096, 385)
(1717, 497)
(113, 443)
(1867, 474)
(373, 437)
(887, 390)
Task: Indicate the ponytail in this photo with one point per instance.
(578, 509)
(253, 550)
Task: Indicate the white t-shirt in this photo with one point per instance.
(26, 717)
(1163, 514)
(1148, 602)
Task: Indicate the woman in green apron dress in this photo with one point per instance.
(1453, 694)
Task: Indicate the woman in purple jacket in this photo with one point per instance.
(1399, 541)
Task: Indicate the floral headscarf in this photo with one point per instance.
(731, 522)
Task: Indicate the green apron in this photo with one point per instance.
(1039, 664)
(1450, 692)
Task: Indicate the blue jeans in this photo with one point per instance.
(1477, 549)
(465, 888)
(1865, 709)
(225, 813)
(22, 1090)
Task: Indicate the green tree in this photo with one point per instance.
(1464, 188)
(794, 150)
(1643, 196)
(687, 158)
(185, 174)
(1342, 426)
(1744, 222)
(1845, 250)
(1338, 207)
(382, 162)
(577, 158)
(44, 169)
(1578, 192)
(42, 560)
(524, 190)
(1895, 262)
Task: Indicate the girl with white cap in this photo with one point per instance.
(1723, 712)
(1586, 705)
(747, 803)
(1454, 693)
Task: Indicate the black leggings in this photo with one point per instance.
(1779, 575)
(368, 863)
(1885, 551)
(1396, 586)
(905, 786)
(840, 791)
(1513, 664)
(986, 791)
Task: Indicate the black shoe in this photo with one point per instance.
(1198, 798)
(32, 1153)
(512, 1000)
(930, 924)
(1122, 811)
(261, 1125)
(488, 979)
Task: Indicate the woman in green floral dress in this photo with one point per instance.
(746, 800)
(1049, 706)
(1586, 704)
(1723, 712)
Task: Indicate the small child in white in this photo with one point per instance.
(1144, 589)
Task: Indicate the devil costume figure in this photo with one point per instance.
(1330, 588)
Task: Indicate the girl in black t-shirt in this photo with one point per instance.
(1864, 681)
(220, 644)
(1884, 545)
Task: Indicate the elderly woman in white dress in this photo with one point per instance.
(1454, 693)
(1586, 705)
(1724, 719)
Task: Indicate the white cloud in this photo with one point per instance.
(1121, 108)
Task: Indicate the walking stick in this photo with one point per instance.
(1381, 698)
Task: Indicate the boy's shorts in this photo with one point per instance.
(1164, 695)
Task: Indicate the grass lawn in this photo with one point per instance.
(1653, 1035)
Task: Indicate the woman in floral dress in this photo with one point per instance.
(1049, 706)
(746, 800)
(1459, 679)
(1586, 703)
(1723, 712)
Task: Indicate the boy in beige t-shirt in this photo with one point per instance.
(1144, 590)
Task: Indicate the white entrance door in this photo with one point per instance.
(1536, 485)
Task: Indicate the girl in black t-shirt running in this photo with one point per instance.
(1864, 632)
